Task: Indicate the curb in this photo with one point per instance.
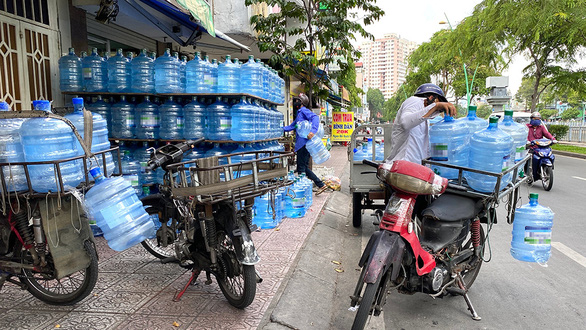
(569, 154)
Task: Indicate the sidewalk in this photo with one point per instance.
(135, 291)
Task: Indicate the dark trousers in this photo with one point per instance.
(303, 166)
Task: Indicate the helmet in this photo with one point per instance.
(431, 89)
(303, 98)
(536, 114)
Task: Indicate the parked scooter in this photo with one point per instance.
(541, 166)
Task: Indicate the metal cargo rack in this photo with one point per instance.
(210, 181)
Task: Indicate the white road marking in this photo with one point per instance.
(579, 178)
(374, 322)
(568, 252)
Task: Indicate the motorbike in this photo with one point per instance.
(541, 165)
(208, 232)
(439, 252)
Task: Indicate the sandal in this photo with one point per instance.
(321, 189)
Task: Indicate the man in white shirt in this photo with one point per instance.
(410, 136)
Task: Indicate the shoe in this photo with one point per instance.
(321, 190)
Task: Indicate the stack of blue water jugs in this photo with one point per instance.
(315, 146)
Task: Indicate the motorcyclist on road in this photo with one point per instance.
(537, 129)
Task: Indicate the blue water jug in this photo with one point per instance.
(118, 73)
(490, 150)
(218, 121)
(146, 178)
(70, 77)
(95, 72)
(131, 171)
(380, 152)
(142, 79)
(228, 77)
(518, 132)
(448, 142)
(295, 201)
(303, 128)
(248, 156)
(251, 78)
(182, 70)
(194, 113)
(147, 119)
(213, 69)
(263, 215)
(100, 140)
(282, 194)
(114, 205)
(11, 151)
(123, 119)
(359, 152)
(195, 75)
(172, 120)
(103, 109)
(473, 123)
(532, 232)
(242, 121)
(167, 74)
(307, 184)
(48, 139)
(317, 150)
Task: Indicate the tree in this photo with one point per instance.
(525, 92)
(376, 100)
(484, 111)
(347, 79)
(548, 113)
(392, 105)
(551, 34)
(296, 33)
(570, 113)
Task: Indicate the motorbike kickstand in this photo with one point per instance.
(464, 294)
(194, 274)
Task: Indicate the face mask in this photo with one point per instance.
(535, 122)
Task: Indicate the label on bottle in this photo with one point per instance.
(537, 235)
(208, 79)
(439, 151)
(507, 162)
(87, 73)
(180, 122)
(519, 153)
(298, 202)
(133, 180)
(225, 122)
(148, 121)
(129, 121)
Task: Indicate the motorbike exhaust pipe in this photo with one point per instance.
(258, 278)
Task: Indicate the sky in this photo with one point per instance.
(418, 20)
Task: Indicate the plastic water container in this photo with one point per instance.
(123, 120)
(103, 109)
(228, 77)
(317, 150)
(218, 121)
(142, 79)
(70, 78)
(242, 121)
(518, 132)
(147, 119)
(448, 141)
(182, 70)
(473, 123)
(48, 139)
(167, 74)
(95, 72)
(263, 215)
(100, 140)
(213, 67)
(380, 152)
(282, 194)
(146, 179)
(193, 113)
(532, 232)
(295, 201)
(247, 148)
(11, 151)
(131, 171)
(303, 128)
(308, 185)
(114, 205)
(251, 78)
(359, 153)
(195, 75)
(171, 120)
(119, 73)
(490, 150)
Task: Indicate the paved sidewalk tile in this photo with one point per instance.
(135, 291)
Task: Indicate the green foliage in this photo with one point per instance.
(570, 113)
(462, 111)
(331, 31)
(548, 113)
(392, 105)
(569, 148)
(347, 78)
(375, 100)
(484, 111)
(558, 130)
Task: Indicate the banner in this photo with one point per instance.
(342, 126)
(201, 11)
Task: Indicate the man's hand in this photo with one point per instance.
(445, 107)
(310, 136)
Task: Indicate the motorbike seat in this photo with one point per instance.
(452, 207)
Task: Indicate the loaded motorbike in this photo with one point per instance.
(203, 212)
(437, 251)
(541, 165)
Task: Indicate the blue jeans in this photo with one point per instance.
(303, 166)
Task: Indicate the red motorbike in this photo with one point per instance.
(439, 252)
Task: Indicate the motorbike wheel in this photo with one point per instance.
(356, 209)
(67, 290)
(151, 244)
(237, 281)
(547, 177)
(366, 305)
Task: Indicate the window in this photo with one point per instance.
(35, 10)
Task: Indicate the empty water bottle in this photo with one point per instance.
(491, 150)
(448, 141)
(303, 128)
(228, 77)
(70, 77)
(213, 69)
(142, 78)
(95, 72)
(167, 73)
(123, 119)
(359, 152)
(532, 232)
(251, 78)
(172, 122)
(182, 69)
(131, 171)
(263, 216)
(218, 121)
(11, 151)
(196, 73)
(295, 201)
(242, 121)
(473, 123)
(193, 113)
(147, 119)
(317, 150)
(115, 206)
(103, 109)
(119, 73)
(48, 139)
(518, 132)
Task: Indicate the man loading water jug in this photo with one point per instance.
(300, 103)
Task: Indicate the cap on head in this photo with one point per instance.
(303, 98)
(536, 115)
(430, 88)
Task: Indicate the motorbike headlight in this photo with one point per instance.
(541, 154)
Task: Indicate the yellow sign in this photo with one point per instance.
(342, 126)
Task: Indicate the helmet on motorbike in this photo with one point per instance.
(535, 115)
(429, 88)
(302, 98)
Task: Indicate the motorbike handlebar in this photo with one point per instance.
(456, 187)
(170, 153)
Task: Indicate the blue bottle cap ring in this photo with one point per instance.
(77, 100)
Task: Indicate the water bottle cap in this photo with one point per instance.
(95, 172)
(493, 119)
(509, 113)
(4, 106)
(42, 105)
(251, 57)
(472, 108)
(77, 100)
(71, 50)
(355, 150)
(533, 196)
